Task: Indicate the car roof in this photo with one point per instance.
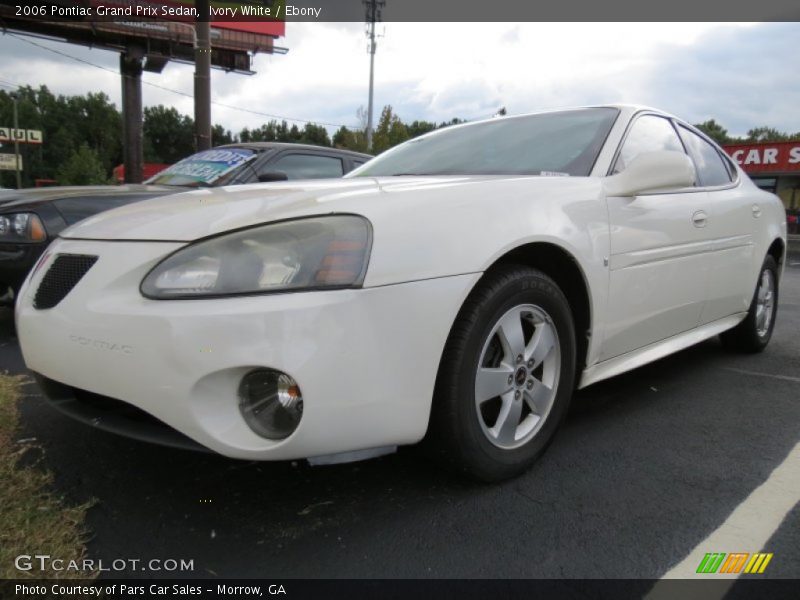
(261, 146)
(629, 108)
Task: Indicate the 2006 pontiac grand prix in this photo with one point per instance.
(459, 286)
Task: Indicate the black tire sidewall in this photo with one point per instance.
(769, 265)
(744, 337)
(526, 287)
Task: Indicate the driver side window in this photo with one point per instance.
(648, 133)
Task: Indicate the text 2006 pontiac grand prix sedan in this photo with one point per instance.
(459, 286)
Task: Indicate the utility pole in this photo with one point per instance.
(202, 77)
(130, 67)
(15, 98)
(374, 8)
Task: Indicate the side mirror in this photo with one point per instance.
(650, 171)
(272, 176)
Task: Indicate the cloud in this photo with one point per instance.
(742, 75)
(742, 78)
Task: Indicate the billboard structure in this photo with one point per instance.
(177, 30)
(162, 38)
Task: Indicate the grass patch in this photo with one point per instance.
(32, 519)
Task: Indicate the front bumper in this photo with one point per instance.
(365, 360)
(114, 416)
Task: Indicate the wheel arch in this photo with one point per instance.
(561, 266)
(777, 250)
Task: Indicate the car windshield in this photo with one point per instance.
(208, 168)
(555, 143)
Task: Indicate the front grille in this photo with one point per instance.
(65, 272)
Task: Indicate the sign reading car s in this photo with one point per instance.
(766, 158)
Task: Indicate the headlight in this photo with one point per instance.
(302, 254)
(21, 227)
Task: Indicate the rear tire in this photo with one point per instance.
(506, 376)
(753, 334)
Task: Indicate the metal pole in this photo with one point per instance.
(371, 16)
(16, 142)
(130, 66)
(371, 81)
(202, 77)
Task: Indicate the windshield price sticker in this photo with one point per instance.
(208, 166)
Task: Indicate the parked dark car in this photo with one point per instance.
(31, 218)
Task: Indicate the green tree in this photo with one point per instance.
(169, 134)
(221, 136)
(715, 131)
(282, 131)
(315, 134)
(389, 132)
(769, 134)
(266, 133)
(83, 167)
(350, 140)
(66, 122)
(75, 125)
(342, 138)
(454, 121)
(293, 135)
(417, 128)
(99, 126)
(757, 134)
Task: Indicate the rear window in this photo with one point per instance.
(711, 167)
(308, 166)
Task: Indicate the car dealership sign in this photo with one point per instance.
(7, 162)
(766, 157)
(23, 136)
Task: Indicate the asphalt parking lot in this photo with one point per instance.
(646, 467)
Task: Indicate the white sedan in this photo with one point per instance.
(460, 286)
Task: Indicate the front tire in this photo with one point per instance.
(753, 334)
(506, 376)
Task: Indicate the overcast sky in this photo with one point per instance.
(744, 75)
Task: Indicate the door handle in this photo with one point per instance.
(699, 218)
(756, 211)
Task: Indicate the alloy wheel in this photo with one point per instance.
(765, 302)
(517, 376)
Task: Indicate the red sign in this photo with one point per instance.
(766, 157)
(273, 28)
(148, 170)
(260, 23)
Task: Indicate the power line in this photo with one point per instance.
(174, 91)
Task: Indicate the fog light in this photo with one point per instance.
(271, 403)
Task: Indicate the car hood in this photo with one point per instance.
(30, 196)
(200, 213)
